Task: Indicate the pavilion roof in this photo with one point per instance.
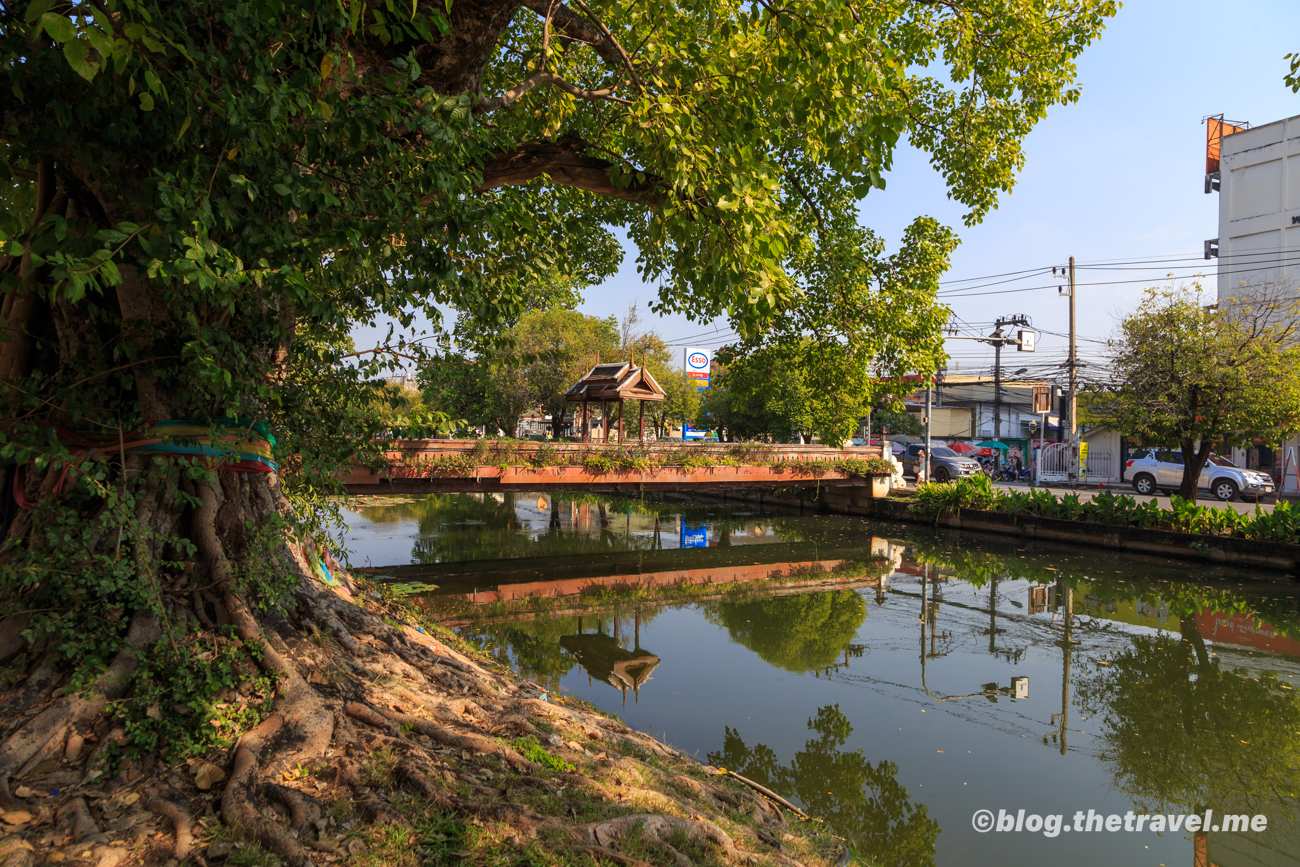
(616, 380)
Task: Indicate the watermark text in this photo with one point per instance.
(1055, 824)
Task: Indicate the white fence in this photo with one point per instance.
(1057, 460)
(1101, 467)
(1054, 462)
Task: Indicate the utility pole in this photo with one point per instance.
(928, 407)
(1072, 405)
(1025, 341)
(998, 341)
(1074, 363)
(997, 386)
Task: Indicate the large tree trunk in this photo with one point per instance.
(159, 562)
(1194, 460)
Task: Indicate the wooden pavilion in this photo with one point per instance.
(614, 381)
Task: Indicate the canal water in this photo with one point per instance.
(894, 680)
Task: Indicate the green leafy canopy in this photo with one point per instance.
(203, 199)
(343, 161)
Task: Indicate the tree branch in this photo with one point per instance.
(578, 28)
(496, 103)
(623, 55)
(564, 164)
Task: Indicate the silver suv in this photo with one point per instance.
(945, 464)
(1154, 470)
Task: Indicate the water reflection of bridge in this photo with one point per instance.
(513, 579)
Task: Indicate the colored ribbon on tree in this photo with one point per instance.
(246, 446)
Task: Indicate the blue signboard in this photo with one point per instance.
(694, 537)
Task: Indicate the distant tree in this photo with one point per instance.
(750, 399)
(532, 366)
(788, 391)
(555, 348)
(457, 385)
(897, 422)
(1195, 377)
(682, 403)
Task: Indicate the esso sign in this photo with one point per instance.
(697, 362)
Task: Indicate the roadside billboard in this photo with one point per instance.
(697, 362)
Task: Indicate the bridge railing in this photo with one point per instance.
(451, 456)
(526, 451)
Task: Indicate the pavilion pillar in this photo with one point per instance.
(641, 428)
(586, 433)
(604, 415)
(620, 421)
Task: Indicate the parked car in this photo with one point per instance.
(1156, 470)
(945, 464)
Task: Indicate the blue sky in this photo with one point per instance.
(1119, 175)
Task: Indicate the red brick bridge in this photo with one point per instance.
(468, 466)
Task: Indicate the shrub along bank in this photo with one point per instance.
(1282, 524)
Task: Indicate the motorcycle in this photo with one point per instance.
(1011, 474)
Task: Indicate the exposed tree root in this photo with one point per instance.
(373, 809)
(521, 817)
(11, 636)
(471, 742)
(610, 855)
(765, 792)
(83, 828)
(659, 829)
(78, 709)
(182, 826)
(369, 717)
(237, 802)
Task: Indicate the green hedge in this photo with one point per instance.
(1183, 516)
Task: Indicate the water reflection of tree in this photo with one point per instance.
(799, 633)
(533, 646)
(862, 802)
(1183, 733)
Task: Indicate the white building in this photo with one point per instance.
(1257, 173)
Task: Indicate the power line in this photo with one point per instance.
(1250, 268)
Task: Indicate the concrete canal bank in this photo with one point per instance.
(1281, 557)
